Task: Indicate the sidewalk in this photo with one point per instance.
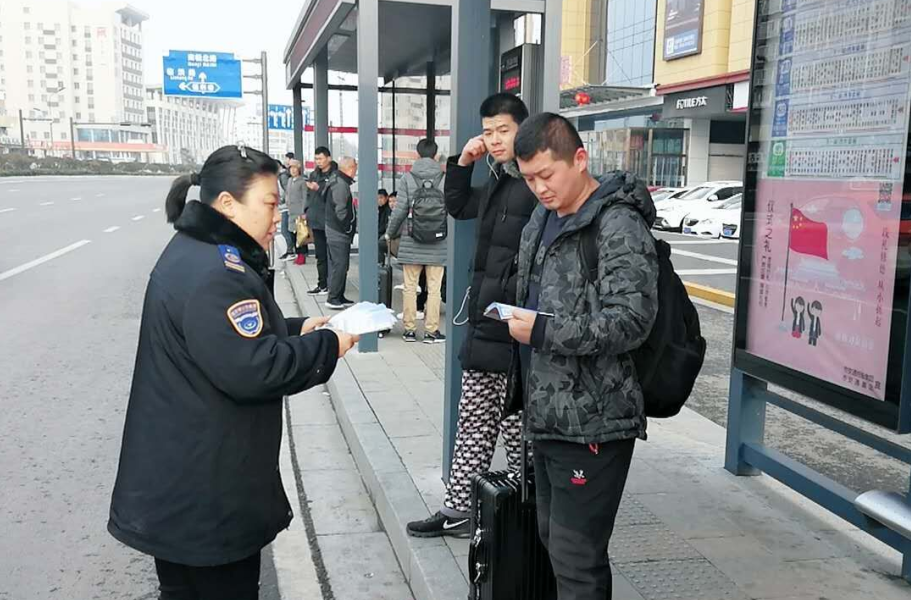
(687, 529)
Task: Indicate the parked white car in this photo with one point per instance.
(730, 228)
(671, 213)
(668, 193)
(710, 221)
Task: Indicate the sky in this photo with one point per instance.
(245, 29)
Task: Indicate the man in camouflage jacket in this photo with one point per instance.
(583, 403)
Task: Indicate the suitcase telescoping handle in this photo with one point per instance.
(523, 484)
(477, 558)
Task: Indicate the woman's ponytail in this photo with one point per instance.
(177, 197)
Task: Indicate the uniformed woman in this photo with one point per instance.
(198, 486)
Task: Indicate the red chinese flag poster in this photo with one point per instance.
(809, 236)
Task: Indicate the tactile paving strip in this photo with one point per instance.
(632, 512)
(647, 543)
(680, 580)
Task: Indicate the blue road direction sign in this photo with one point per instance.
(202, 74)
(281, 117)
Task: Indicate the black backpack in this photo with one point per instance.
(427, 218)
(669, 361)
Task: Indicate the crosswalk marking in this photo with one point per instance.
(705, 257)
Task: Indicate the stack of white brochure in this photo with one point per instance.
(363, 318)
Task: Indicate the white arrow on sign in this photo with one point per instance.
(200, 87)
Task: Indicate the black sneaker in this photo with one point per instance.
(335, 305)
(347, 302)
(434, 338)
(318, 291)
(439, 525)
(410, 336)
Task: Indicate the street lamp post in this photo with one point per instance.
(72, 138)
(262, 61)
(54, 93)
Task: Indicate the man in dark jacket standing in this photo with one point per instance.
(340, 228)
(501, 208)
(316, 215)
(583, 403)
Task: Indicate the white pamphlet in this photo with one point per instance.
(363, 318)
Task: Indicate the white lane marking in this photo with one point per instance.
(684, 272)
(75, 199)
(6, 210)
(139, 217)
(698, 242)
(43, 259)
(705, 257)
(112, 229)
(99, 195)
(13, 191)
(156, 210)
(46, 204)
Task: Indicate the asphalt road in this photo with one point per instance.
(77, 254)
(712, 263)
(70, 298)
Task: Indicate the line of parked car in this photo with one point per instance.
(709, 210)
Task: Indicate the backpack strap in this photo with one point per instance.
(590, 248)
(589, 244)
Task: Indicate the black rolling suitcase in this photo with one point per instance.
(506, 559)
(385, 283)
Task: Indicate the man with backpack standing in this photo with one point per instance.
(584, 406)
(422, 211)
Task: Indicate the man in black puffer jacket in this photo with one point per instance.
(502, 208)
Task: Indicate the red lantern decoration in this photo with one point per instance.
(582, 98)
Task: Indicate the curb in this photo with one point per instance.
(710, 294)
(427, 564)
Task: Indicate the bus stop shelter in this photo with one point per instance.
(381, 40)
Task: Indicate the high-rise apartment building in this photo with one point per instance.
(60, 61)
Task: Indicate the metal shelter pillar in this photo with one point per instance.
(471, 21)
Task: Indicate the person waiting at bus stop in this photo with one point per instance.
(198, 486)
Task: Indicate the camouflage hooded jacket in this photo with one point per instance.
(581, 386)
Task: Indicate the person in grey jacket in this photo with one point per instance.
(296, 201)
(341, 222)
(287, 231)
(583, 403)
(417, 257)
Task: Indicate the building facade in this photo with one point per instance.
(673, 107)
(189, 129)
(703, 52)
(582, 42)
(60, 61)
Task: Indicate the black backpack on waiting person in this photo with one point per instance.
(669, 361)
(427, 218)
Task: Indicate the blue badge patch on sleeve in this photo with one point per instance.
(232, 259)
(246, 318)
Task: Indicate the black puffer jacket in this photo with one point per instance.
(502, 209)
(316, 200)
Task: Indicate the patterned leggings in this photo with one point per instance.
(480, 421)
